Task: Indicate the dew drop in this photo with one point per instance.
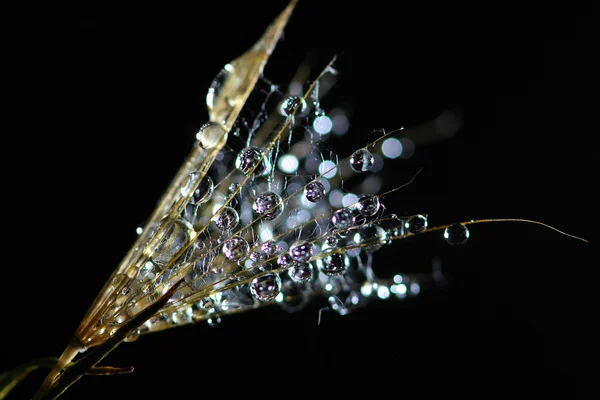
(368, 205)
(314, 191)
(235, 248)
(361, 160)
(301, 251)
(285, 261)
(291, 103)
(175, 238)
(416, 223)
(227, 219)
(217, 84)
(269, 248)
(370, 237)
(203, 191)
(334, 264)
(268, 206)
(211, 135)
(457, 234)
(332, 240)
(265, 287)
(252, 158)
(301, 272)
(343, 218)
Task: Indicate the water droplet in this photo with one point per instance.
(265, 287)
(268, 206)
(291, 103)
(301, 251)
(227, 219)
(233, 187)
(314, 191)
(332, 240)
(216, 85)
(249, 158)
(416, 223)
(457, 234)
(370, 237)
(343, 218)
(177, 235)
(235, 248)
(334, 264)
(361, 160)
(368, 205)
(211, 135)
(204, 191)
(269, 248)
(301, 272)
(285, 261)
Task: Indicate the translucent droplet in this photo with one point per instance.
(368, 205)
(227, 219)
(217, 84)
(174, 239)
(457, 234)
(301, 251)
(269, 248)
(343, 218)
(291, 103)
(314, 191)
(416, 223)
(370, 237)
(361, 160)
(334, 264)
(285, 261)
(301, 272)
(249, 158)
(211, 135)
(235, 248)
(332, 240)
(204, 191)
(258, 256)
(265, 287)
(268, 206)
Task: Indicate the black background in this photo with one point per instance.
(109, 105)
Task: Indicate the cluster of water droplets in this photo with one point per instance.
(264, 224)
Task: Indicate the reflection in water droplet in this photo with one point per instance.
(235, 248)
(457, 234)
(217, 84)
(416, 223)
(291, 103)
(314, 191)
(250, 158)
(301, 272)
(334, 264)
(175, 238)
(265, 287)
(370, 237)
(227, 219)
(361, 160)
(301, 251)
(211, 135)
(343, 218)
(268, 206)
(368, 205)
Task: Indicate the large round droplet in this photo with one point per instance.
(211, 135)
(314, 191)
(334, 264)
(416, 223)
(269, 247)
(301, 272)
(235, 248)
(285, 261)
(368, 205)
(301, 251)
(251, 158)
(457, 234)
(265, 287)
(227, 219)
(268, 206)
(292, 103)
(175, 235)
(361, 160)
(343, 218)
(203, 191)
(370, 237)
